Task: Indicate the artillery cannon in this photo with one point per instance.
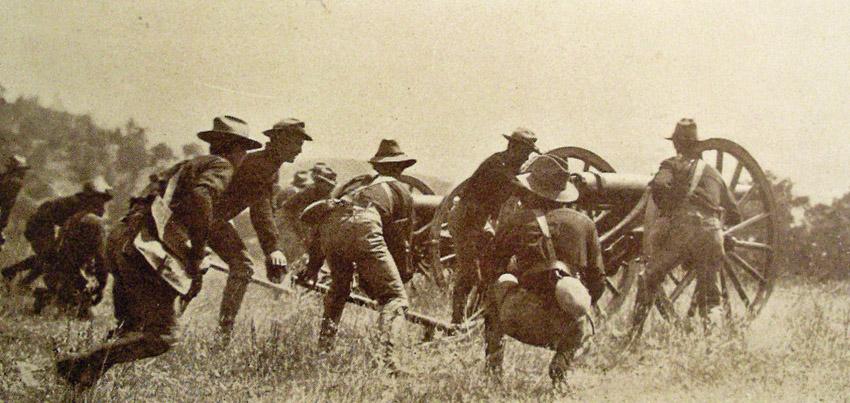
(620, 206)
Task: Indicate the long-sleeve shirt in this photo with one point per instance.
(253, 187)
(394, 203)
(673, 179)
(492, 183)
(574, 237)
(201, 184)
(41, 226)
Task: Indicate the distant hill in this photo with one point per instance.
(347, 168)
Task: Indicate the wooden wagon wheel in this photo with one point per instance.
(747, 277)
(442, 247)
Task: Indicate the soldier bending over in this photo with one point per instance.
(369, 231)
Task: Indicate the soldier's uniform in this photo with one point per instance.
(11, 182)
(485, 192)
(692, 199)
(300, 181)
(252, 187)
(528, 309)
(323, 183)
(369, 232)
(41, 228)
(75, 279)
(146, 305)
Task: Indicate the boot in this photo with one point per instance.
(643, 303)
(232, 296)
(390, 320)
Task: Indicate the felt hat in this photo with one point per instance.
(229, 129)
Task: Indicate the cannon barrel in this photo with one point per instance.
(619, 188)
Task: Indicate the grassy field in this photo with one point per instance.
(798, 349)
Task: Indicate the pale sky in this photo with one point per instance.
(446, 78)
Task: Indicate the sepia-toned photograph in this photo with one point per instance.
(447, 201)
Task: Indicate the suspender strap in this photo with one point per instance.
(547, 235)
(700, 169)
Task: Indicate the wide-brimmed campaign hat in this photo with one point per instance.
(229, 129)
(686, 130)
(17, 162)
(98, 187)
(523, 136)
(550, 179)
(288, 126)
(390, 152)
(323, 173)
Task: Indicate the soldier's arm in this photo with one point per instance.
(262, 219)
(663, 186)
(211, 180)
(727, 201)
(594, 276)
(503, 248)
(316, 255)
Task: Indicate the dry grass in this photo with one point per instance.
(798, 349)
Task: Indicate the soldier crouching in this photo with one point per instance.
(76, 278)
(559, 271)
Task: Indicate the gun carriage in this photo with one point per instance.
(623, 211)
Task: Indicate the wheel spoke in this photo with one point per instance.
(686, 281)
(601, 216)
(719, 164)
(746, 223)
(746, 197)
(665, 308)
(611, 287)
(748, 268)
(727, 267)
(447, 258)
(736, 176)
(673, 277)
(754, 245)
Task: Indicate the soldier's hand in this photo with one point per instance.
(276, 258)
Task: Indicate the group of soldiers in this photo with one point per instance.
(539, 262)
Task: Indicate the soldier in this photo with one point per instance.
(691, 198)
(542, 303)
(322, 183)
(10, 185)
(145, 300)
(41, 228)
(300, 181)
(77, 276)
(369, 232)
(486, 191)
(253, 187)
